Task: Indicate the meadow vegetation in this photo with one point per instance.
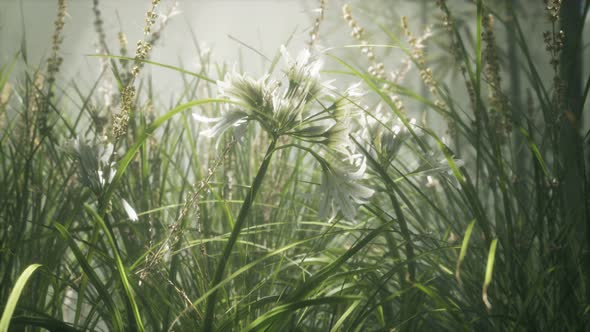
(421, 177)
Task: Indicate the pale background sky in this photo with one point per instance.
(263, 24)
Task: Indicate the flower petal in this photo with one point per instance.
(229, 119)
(130, 211)
(205, 119)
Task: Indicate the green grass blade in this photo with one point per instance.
(240, 221)
(321, 275)
(489, 272)
(5, 71)
(536, 152)
(463, 251)
(240, 271)
(163, 65)
(15, 295)
(338, 325)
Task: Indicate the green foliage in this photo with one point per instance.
(456, 200)
(15, 295)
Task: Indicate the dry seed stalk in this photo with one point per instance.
(177, 228)
(53, 66)
(314, 34)
(376, 68)
(554, 43)
(121, 120)
(499, 107)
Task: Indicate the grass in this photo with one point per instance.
(357, 218)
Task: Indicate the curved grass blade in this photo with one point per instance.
(163, 65)
(15, 295)
(5, 71)
(338, 326)
(240, 221)
(463, 252)
(313, 282)
(536, 152)
(489, 272)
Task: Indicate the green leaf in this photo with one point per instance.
(337, 327)
(163, 65)
(489, 272)
(15, 295)
(536, 152)
(463, 251)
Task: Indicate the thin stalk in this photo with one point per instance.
(240, 221)
(477, 86)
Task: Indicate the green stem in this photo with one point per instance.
(209, 316)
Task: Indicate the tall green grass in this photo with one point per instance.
(478, 220)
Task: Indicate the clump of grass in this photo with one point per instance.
(489, 191)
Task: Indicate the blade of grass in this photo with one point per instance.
(163, 65)
(489, 272)
(463, 252)
(338, 325)
(15, 296)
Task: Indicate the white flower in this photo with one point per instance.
(130, 211)
(255, 95)
(303, 75)
(95, 166)
(105, 179)
(278, 111)
(106, 168)
(355, 91)
(228, 120)
(303, 64)
(340, 189)
(337, 137)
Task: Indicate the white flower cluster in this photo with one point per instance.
(96, 168)
(278, 111)
(341, 190)
(306, 109)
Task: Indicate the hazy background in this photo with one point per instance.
(262, 24)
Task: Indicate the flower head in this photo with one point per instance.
(305, 109)
(285, 109)
(340, 187)
(96, 170)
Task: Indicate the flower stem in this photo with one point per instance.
(210, 313)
